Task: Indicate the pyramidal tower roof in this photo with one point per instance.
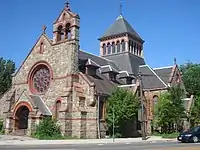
(121, 26)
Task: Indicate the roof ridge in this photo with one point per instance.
(96, 55)
(166, 67)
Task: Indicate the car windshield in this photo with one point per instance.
(194, 129)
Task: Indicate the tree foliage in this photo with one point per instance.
(191, 78)
(125, 107)
(7, 68)
(169, 110)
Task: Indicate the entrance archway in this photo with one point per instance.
(21, 118)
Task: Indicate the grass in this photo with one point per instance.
(167, 135)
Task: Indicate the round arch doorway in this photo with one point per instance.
(21, 118)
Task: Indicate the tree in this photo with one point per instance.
(169, 110)
(195, 111)
(176, 98)
(191, 78)
(124, 104)
(7, 68)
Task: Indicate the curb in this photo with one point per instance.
(21, 142)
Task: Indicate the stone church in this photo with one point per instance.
(60, 80)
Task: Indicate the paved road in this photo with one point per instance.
(134, 146)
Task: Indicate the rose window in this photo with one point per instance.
(41, 79)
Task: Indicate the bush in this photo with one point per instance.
(48, 129)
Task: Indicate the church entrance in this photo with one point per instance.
(21, 118)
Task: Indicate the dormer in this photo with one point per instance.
(110, 72)
(119, 38)
(126, 77)
(66, 26)
(91, 67)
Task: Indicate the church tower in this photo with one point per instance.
(123, 45)
(120, 37)
(66, 27)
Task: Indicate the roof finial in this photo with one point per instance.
(120, 7)
(175, 61)
(44, 29)
(67, 4)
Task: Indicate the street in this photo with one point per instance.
(133, 146)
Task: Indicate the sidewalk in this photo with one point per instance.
(27, 141)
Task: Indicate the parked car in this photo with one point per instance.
(191, 135)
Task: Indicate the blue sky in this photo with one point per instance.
(170, 28)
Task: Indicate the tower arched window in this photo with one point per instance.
(123, 45)
(57, 110)
(67, 31)
(60, 34)
(104, 49)
(118, 46)
(113, 47)
(132, 47)
(109, 48)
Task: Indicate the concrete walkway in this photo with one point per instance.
(16, 140)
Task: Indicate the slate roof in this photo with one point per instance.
(84, 56)
(127, 61)
(121, 26)
(103, 84)
(164, 73)
(39, 103)
(150, 80)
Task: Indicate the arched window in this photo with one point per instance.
(67, 31)
(104, 49)
(113, 47)
(41, 47)
(155, 99)
(123, 45)
(109, 48)
(58, 105)
(118, 46)
(60, 34)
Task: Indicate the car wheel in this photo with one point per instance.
(195, 139)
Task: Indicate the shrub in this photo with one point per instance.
(48, 129)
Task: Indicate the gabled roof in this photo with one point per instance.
(119, 27)
(150, 80)
(164, 73)
(39, 103)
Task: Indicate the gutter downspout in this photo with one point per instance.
(98, 118)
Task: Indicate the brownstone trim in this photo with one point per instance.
(86, 79)
(87, 119)
(20, 83)
(32, 71)
(156, 89)
(20, 104)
